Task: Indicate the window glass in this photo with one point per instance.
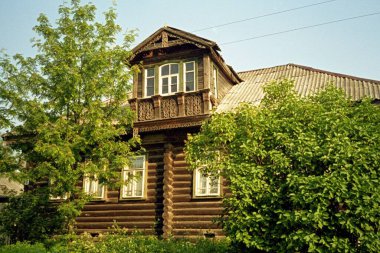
(165, 70)
(149, 82)
(169, 78)
(173, 68)
(189, 76)
(92, 186)
(206, 184)
(134, 176)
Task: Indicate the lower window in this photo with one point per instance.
(134, 178)
(206, 184)
(92, 187)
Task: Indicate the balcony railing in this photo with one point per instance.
(174, 106)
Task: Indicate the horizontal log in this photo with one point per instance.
(195, 225)
(106, 230)
(182, 191)
(185, 177)
(118, 219)
(199, 232)
(130, 206)
(105, 225)
(178, 218)
(182, 198)
(180, 184)
(197, 211)
(108, 213)
(201, 203)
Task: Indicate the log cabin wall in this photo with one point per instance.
(141, 215)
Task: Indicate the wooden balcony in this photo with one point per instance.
(179, 105)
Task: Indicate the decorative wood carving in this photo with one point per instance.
(193, 105)
(146, 111)
(168, 191)
(165, 39)
(169, 108)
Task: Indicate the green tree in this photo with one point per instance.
(65, 106)
(304, 172)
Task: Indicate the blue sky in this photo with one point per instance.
(350, 47)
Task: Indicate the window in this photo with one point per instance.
(92, 187)
(134, 176)
(215, 81)
(189, 75)
(64, 196)
(169, 76)
(206, 184)
(149, 82)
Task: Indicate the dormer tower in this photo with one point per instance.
(182, 77)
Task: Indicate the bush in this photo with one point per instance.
(119, 243)
(304, 172)
(23, 247)
(30, 217)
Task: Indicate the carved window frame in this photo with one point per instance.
(132, 182)
(185, 71)
(91, 186)
(146, 77)
(169, 76)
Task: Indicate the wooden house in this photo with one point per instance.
(183, 80)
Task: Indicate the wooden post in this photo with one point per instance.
(157, 106)
(168, 191)
(181, 104)
(206, 101)
(207, 71)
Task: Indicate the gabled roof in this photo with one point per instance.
(168, 31)
(307, 81)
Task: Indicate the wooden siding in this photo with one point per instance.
(193, 217)
(224, 85)
(143, 215)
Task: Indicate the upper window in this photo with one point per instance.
(169, 77)
(189, 75)
(134, 178)
(215, 81)
(92, 187)
(206, 184)
(149, 82)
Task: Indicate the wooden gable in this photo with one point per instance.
(169, 37)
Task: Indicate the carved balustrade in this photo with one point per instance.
(180, 104)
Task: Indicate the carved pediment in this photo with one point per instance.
(168, 37)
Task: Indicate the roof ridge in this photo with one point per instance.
(315, 70)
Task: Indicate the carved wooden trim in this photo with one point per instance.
(165, 39)
(169, 126)
(193, 105)
(145, 110)
(168, 191)
(169, 108)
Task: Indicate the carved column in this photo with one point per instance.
(168, 191)
(206, 101)
(206, 71)
(181, 104)
(157, 106)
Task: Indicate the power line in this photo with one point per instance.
(262, 16)
(301, 28)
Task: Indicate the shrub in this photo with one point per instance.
(23, 247)
(304, 172)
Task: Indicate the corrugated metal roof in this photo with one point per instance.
(307, 81)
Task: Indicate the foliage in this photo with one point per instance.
(30, 216)
(65, 107)
(122, 243)
(25, 247)
(304, 172)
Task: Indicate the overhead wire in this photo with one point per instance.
(264, 15)
(300, 28)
